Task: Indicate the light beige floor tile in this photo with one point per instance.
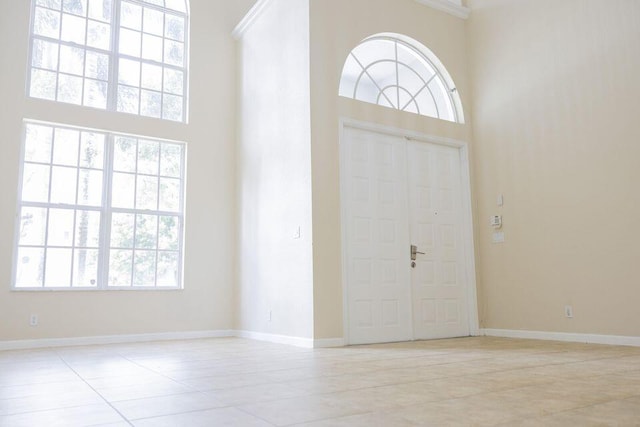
(166, 405)
(55, 400)
(141, 391)
(302, 409)
(215, 417)
(67, 417)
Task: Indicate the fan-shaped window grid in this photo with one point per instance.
(120, 55)
(394, 74)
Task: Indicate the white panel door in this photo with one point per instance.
(376, 237)
(397, 193)
(438, 281)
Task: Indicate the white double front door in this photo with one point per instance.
(397, 193)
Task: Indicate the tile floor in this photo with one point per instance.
(236, 382)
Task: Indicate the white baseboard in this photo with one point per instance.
(278, 339)
(111, 339)
(328, 343)
(563, 336)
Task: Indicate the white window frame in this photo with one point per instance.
(114, 59)
(106, 211)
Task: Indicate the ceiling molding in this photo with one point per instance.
(447, 6)
(250, 18)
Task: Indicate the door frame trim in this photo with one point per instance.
(467, 212)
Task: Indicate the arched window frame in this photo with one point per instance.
(141, 80)
(349, 88)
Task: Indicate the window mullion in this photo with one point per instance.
(112, 101)
(105, 217)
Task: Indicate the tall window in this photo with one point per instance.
(98, 210)
(397, 72)
(120, 55)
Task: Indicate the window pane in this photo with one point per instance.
(173, 81)
(148, 156)
(173, 53)
(174, 28)
(131, 16)
(145, 268)
(168, 232)
(169, 194)
(152, 47)
(63, 185)
(153, 22)
(147, 193)
(151, 77)
(168, 269)
(170, 160)
(35, 183)
(30, 267)
(99, 35)
(53, 4)
(100, 10)
(46, 23)
(129, 72)
(72, 60)
(125, 155)
(45, 55)
(77, 7)
(120, 263)
(70, 89)
(90, 188)
(92, 150)
(172, 107)
(128, 99)
(150, 103)
(122, 228)
(87, 229)
(97, 66)
(178, 5)
(38, 144)
(123, 191)
(95, 94)
(73, 29)
(85, 268)
(33, 223)
(66, 147)
(146, 231)
(60, 227)
(43, 84)
(130, 42)
(58, 268)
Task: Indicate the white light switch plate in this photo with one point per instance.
(498, 237)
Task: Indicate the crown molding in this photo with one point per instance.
(447, 6)
(250, 18)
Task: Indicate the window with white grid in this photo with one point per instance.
(128, 56)
(98, 210)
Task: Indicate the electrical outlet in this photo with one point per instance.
(33, 320)
(568, 311)
(270, 315)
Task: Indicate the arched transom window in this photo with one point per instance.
(397, 72)
(120, 55)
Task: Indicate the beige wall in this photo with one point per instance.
(206, 302)
(275, 269)
(337, 26)
(555, 104)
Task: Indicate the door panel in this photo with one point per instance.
(438, 281)
(379, 305)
